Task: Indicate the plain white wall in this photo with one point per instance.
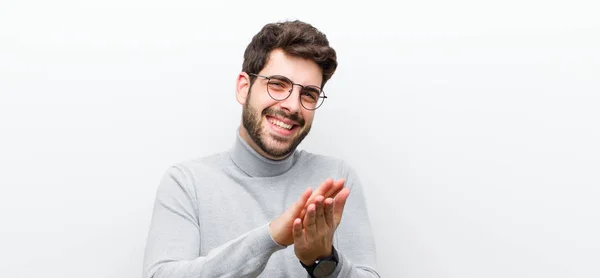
(474, 126)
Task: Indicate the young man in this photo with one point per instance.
(250, 211)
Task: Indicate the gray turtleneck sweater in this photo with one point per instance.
(211, 217)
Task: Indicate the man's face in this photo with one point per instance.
(277, 127)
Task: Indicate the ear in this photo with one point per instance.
(242, 86)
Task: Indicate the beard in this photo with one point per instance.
(272, 145)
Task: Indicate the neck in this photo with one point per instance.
(244, 134)
(254, 163)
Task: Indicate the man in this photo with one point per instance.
(251, 212)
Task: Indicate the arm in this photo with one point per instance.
(173, 243)
(353, 238)
(321, 228)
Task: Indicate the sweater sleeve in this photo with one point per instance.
(173, 242)
(354, 238)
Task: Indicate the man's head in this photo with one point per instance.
(300, 53)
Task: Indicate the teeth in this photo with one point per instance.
(281, 124)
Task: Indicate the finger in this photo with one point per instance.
(309, 221)
(339, 203)
(324, 187)
(321, 190)
(297, 207)
(320, 214)
(297, 232)
(332, 187)
(329, 213)
(335, 188)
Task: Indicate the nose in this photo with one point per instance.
(292, 103)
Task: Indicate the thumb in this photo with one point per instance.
(297, 207)
(340, 202)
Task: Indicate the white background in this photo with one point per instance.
(474, 126)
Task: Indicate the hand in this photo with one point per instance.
(281, 227)
(329, 188)
(313, 237)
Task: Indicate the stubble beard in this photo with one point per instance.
(251, 120)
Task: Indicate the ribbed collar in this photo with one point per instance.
(256, 165)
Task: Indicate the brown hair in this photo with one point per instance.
(295, 38)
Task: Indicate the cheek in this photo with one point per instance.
(308, 118)
(257, 104)
(261, 103)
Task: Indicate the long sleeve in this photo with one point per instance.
(354, 237)
(173, 243)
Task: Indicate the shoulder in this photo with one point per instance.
(212, 160)
(200, 166)
(324, 163)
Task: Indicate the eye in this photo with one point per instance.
(310, 94)
(277, 83)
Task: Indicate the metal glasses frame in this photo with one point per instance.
(281, 77)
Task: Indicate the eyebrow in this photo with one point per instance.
(276, 75)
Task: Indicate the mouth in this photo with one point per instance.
(281, 127)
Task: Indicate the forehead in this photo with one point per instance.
(299, 70)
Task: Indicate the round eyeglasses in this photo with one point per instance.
(280, 88)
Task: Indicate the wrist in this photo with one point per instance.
(311, 260)
(307, 262)
(274, 236)
(322, 267)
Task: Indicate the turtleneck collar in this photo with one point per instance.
(256, 165)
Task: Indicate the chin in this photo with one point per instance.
(277, 146)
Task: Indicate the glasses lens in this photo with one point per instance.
(279, 88)
(311, 97)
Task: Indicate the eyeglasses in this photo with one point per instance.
(280, 88)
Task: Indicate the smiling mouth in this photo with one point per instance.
(280, 123)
